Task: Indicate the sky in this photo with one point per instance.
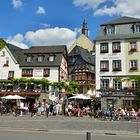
(27, 23)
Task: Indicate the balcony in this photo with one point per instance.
(19, 93)
(85, 81)
(104, 69)
(116, 69)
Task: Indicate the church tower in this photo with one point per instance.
(85, 28)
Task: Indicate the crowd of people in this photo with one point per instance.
(118, 113)
(69, 108)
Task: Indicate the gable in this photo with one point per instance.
(82, 41)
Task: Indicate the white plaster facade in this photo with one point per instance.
(54, 76)
(5, 55)
(110, 56)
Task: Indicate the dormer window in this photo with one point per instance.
(40, 58)
(137, 28)
(7, 62)
(29, 58)
(109, 30)
(51, 58)
(3, 53)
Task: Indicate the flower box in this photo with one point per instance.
(133, 68)
(130, 89)
(104, 51)
(46, 75)
(133, 50)
(116, 50)
(104, 69)
(27, 74)
(116, 69)
(5, 65)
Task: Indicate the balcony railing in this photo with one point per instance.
(19, 93)
(86, 81)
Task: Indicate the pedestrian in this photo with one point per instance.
(47, 109)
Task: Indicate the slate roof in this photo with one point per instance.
(83, 58)
(120, 35)
(122, 20)
(84, 53)
(21, 55)
(117, 37)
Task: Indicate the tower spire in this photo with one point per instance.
(85, 28)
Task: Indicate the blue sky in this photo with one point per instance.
(46, 22)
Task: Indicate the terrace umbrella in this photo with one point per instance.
(80, 96)
(18, 97)
(7, 97)
(12, 97)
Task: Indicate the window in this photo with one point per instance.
(104, 66)
(137, 28)
(116, 47)
(46, 73)
(133, 65)
(104, 47)
(51, 58)
(3, 53)
(104, 84)
(7, 62)
(133, 46)
(116, 65)
(110, 30)
(40, 58)
(117, 85)
(11, 75)
(27, 72)
(29, 58)
(134, 84)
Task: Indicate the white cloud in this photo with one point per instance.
(17, 40)
(41, 10)
(111, 7)
(17, 3)
(51, 36)
(45, 25)
(106, 11)
(86, 4)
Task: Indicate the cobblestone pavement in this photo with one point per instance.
(68, 124)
